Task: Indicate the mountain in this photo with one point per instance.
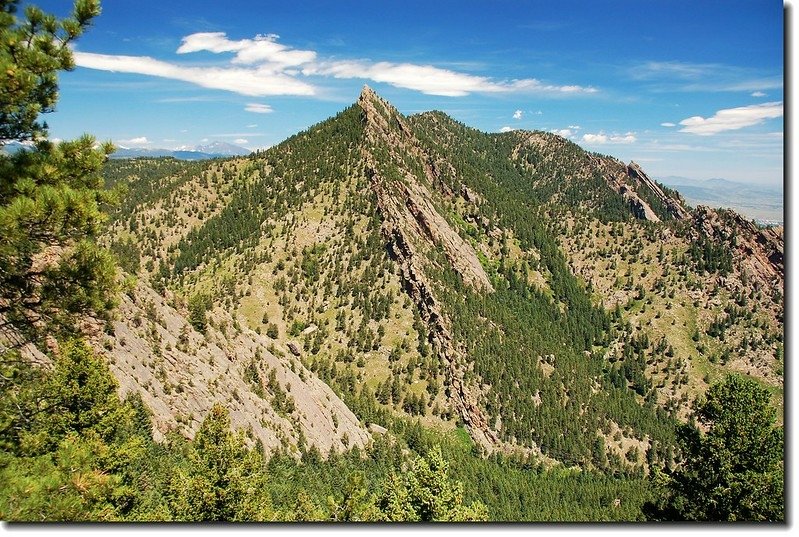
(763, 203)
(13, 146)
(223, 148)
(377, 270)
(200, 152)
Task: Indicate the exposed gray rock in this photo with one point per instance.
(181, 373)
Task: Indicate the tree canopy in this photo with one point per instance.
(50, 194)
(733, 467)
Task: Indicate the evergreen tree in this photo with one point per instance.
(734, 471)
(68, 443)
(50, 195)
(223, 481)
(425, 493)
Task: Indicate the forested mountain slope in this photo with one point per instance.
(552, 301)
(383, 318)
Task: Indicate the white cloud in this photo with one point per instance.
(517, 114)
(263, 49)
(627, 138)
(252, 126)
(595, 138)
(139, 140)
(240, 141)
(574, 127)
(668, 124)
(258, 108)
(245, 81)
(261, 66)
(758, 94)
(507, 129)
(563, 132)
(432, 80)
(602, 138)
(732, 118)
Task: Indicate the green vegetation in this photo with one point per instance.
(51, 270)
(559, 411)
(586, 399)
(91, 457)
(710, 257)
(735, 470)
(72, 451)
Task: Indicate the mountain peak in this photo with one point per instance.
(368, 98)
(366, 91)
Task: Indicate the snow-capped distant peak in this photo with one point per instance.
(222, 148)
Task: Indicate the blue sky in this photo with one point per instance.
(684, 88)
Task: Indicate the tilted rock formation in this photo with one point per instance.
(410, 222)
(412, 226)
(180, 374)
(640, 208)
(674, 207)
(410, 200)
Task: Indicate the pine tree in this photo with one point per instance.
(735, 470)
(224, 480)
(50, 195)
(425, 493)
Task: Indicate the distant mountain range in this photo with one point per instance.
(763, 203)
(199, 152)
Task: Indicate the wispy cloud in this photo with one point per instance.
(732, 119)
(517, 114)
(433, 80)
(711, 77)
(758, 94)
(668, 124)
(258, 108)
(245, 81)
(672, 69)
(240, 141)
(262, 66)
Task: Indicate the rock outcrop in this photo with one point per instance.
(412, 226)
(180, 373)
(640, 208)
(407, 199)
(674, 207)
(760, 250)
